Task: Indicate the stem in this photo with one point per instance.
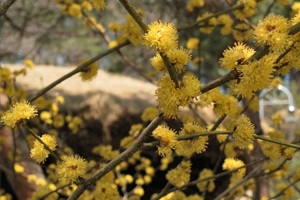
(6, 6)
(134, 14)
(284, 189)
(76, 70)
(196, 24)
(277, 141)
(123, 156)
(246, 178)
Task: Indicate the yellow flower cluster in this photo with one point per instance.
(75, 10)
(234, 56)
(193, 43)
(167, 139)
(273, 31)
(98, 4)
(196, 145)
(206, 185)
(192, 4)
(226, 23)
(70, 168)
(169, 97)
(180, 175)
(254, 76)
(208, 25)
(17, 113)
(149, 114)
(232, 164)
(38, 152)
(248, 10)
(162, 37)
(130, 31)
(90, 72)
(243, 134)
(106, 152)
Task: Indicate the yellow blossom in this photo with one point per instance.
(208, 25)
(75, 10)
(28, 63)
(38, 152)
(226, 23)
(248, 10)
(192, 4)
(242, 32)
(180, 175)
(112, 44)
(206, 185)
(234, 56)
(243, 134)
(192, 43)
(167, 139)
(196, 145)
(98, 4)
(18, 168)
(90, 72)
(106, 152)
(5, 74)
(70, 168)
(138, 191)
(135, 129)
(17, 113)
(130, 31)
(149, 114)
(161, 36)
(87, 7)
(273, 31)
(234, 163)
(114, 27)
(254, 76)
(168, 96)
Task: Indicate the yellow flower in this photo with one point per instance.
(131, 31)
(208, 25)
(114, 27)
(28, 63)
(18, 168)
(243, 134)
(75, 10)
(234, 56)
(70, 168)
(273, 31)
(196, 145)
(248, 10)
(149, 114)
(192, 4)
(234, 163)
(161, 36)
(87, 7)
(242, 32)
(167, 139)
(179, 58)
(193, 43)
(106, 152)
(226, 23)
(5, 74)
(254, 76)
(206, 185)
(180, 175)
(167, 96)
(112, 44)
(38, 152)
(98, 4)
(90, 72)
(17, 113)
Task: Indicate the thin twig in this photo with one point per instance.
(76, 70)
(6, 6)
(123, 156)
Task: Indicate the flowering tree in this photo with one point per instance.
(262, 51)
